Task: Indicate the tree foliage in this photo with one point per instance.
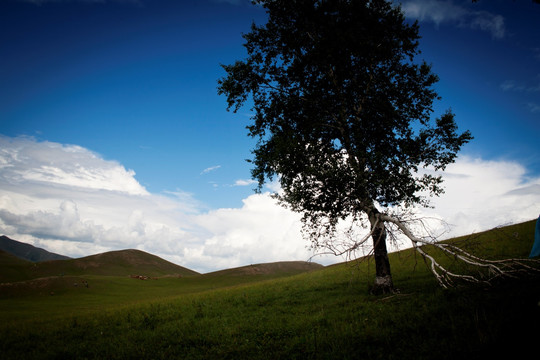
(343, 110)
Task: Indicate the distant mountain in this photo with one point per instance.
(27, 251)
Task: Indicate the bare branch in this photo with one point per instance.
(495, 268)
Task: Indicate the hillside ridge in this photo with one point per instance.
(28, 252)
(114, 263)
(128, 262)
(132, 260)
(269, 268)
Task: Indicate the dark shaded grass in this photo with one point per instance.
(326, 314)
(290, 320)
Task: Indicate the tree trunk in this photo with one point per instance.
(383, 276)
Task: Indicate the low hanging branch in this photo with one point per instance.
(505, 268)
(336, 246)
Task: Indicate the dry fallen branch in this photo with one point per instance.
(509, 268)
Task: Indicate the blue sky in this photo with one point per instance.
(490, 74)
(123, 94)
(133, 81)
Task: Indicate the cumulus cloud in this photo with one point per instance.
(70, 200)
(54, 192)
(88, 205)
(446, 12)
(24, 161)
(259, 231)
(483, 194)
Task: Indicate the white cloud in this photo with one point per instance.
(70, 200)
(53, 192)
(437, 12)
(259, 231)
(483, 194)
(446, 12)
(83, 208)
(210, 169)
(25, 161)
(244, 182)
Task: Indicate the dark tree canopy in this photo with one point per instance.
(342, 108)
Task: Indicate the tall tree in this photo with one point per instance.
(343, 114)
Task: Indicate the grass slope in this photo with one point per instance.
(14, 268)
(322, 314)
(101, 281)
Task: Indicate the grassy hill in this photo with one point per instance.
(125, 262)
(113, 263)
(282, 268)
(327, 313)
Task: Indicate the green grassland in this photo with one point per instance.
(271, 311)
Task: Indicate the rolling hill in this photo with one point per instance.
(111, 274)
(125, 263)
(275, 268)
(113, 263)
